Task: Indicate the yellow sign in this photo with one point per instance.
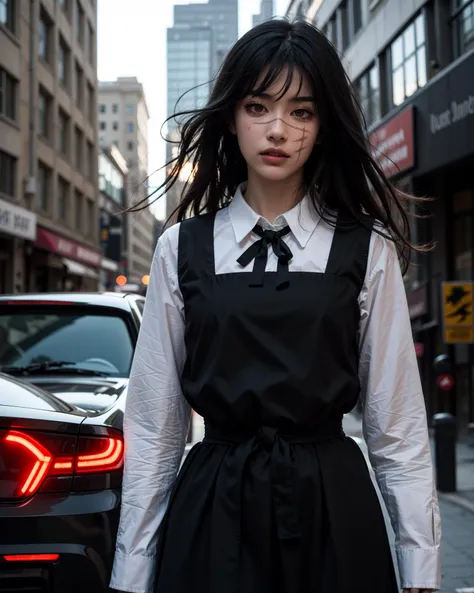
(457, 312)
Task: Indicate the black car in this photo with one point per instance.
(64, 366)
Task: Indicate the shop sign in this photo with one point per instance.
(17, 221)
(65, 247)
(417, 302)
(393, 145)
(457, 312)
(445, 117)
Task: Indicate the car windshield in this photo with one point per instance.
(90, 341)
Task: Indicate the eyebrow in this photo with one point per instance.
(299, 99)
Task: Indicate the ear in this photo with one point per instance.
(232, 128)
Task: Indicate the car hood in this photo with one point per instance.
(92, 394)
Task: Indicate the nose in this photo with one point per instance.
(277, 131)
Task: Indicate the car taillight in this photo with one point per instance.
(32, 462)
(31, 557)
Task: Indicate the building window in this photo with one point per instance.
(356, 7)
(408, 54)
(102, 108)
(63, 130)
(79, 18)
(44, 113)
(79, 200)
(129, 145)
(130, 127)
(8, 91)
(7, 14)
(130, 109)
(90, 160)
(63, 198)
(78, 148)
(45, 31)
(116, 143)
(91, 106)
(368, 91)
(8, 164)
(115, 126)
(115, 108)
(463, 24)
(79, 90)
(44, 187)
(63, 62)
(90, 221)
(103, 125)
(90, 44)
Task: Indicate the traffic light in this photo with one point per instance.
(121, 280)
(146, 279)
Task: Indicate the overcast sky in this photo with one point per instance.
(132, 42)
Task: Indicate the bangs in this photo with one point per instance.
(272, 64)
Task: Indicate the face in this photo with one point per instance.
(277, 134)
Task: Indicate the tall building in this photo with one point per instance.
(123, 122)
(411, 63)
(267, 11)
(48, 148)
(197, 43)
(113, 172)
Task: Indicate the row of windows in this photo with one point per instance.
(72, 208)
(129, 108)
(345, 24)
(59, 134)
(130, 126)
(406, 64)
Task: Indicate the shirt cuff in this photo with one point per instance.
(134, 573)
(420, 568)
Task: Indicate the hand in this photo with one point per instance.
(418, 590)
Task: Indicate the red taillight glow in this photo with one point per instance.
(36, 459)
(109, 459)
(31, 557)
(40, 467)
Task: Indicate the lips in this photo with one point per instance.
(275, 152)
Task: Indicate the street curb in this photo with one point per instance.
(457, 500)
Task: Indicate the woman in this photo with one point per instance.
(270, 312)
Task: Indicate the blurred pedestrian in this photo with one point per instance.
(271, 311)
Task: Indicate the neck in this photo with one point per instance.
(272, 198)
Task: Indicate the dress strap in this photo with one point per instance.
(196, 248)
(350, 248)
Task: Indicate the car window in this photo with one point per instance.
(78, 336)
(140, 305)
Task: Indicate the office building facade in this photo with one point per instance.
(48, 146)
(197, 43)
(123, 123)
(267, 11)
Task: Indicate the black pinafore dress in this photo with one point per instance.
(275, 499)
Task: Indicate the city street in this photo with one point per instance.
(457, 523)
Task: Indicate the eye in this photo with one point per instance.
(303, 114)
(255, 108)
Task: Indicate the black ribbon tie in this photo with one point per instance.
(259, 252)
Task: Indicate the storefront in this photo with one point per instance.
(17, 229)
(64, 265)
(430, 145)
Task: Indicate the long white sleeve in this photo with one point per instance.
(394, 419)
(155, 426)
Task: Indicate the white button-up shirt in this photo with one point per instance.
(394, 415)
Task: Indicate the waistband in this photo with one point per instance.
(330, 428)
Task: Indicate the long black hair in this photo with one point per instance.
(341, 172)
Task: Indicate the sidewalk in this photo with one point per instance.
(457, 517)
(464, 495)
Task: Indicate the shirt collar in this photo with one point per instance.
(302, 218)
